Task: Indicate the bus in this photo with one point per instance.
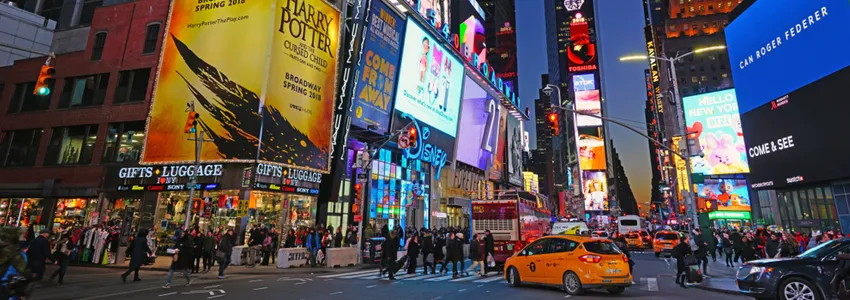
(628, 223)
(513, 218)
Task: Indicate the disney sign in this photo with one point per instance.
(426, 152)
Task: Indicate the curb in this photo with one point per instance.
(322, 270)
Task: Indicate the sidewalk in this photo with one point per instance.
(163, 263)
(720, 278)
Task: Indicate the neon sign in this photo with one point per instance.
(423, 151)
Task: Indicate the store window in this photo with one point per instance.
(397, 190)
(71, 145)
(20, 212)
(23, 100)
(74, 213)
(267, 208)
(300, 211)
(118, 210)
(84, 91)
(19, 147)
(132, 85)
(124, 142)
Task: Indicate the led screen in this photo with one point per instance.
(591, 148)
(584, 82)
(731, 194)
(595, 189)
(432, 77)
(713, 119)
(588, 102)
(513, 149)
(436, 12)
(479, 126)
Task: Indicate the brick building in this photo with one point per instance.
(54, 150)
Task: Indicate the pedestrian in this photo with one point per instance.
(748, 253)
(476, 254)
(771, 248)
(701, 252)
(313, 245)
(182, 260)
(489, 251)
(267, 248)
(198, 250)
(225, 249)
(152, 241)
(140, 251)
(681, 251)
(726, 244)
(64, 247)
(713, 246)
(255, 242)
(275, 243)
(208, 248)
(290, 239)
(38, 252)
(737, 245)
(413, 249)
(338, 238)
(439, 256)
(327, 241)
(389, 254)
(427, 250)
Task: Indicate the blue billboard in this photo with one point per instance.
(776, 47)
(713, 119)
(377, 70)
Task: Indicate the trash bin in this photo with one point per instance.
(374, 246)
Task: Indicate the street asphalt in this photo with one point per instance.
(653, 280)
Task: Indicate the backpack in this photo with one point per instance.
(693, 244)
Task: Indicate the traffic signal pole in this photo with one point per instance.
(193, 180)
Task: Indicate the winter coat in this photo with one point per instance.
(198, 242)
(749, 251)
(184, 254)
(771, 248)
(475, 251)
(413, 249)
(290, 241)
(338, 240)
(438, 249)
(389, 249)
(209, 244)
(489, 248)
(313, 241)
(139, 251)
(226, 244)
(701, 251)
(427, 243)
(679, 252)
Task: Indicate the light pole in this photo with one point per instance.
(671, 66)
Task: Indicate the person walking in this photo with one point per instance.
(489, 251)
(225, 247)
(313, 245)
(427, 250)
(681, 251)
(64, 247)
(255, 242)
(208, 248)
(439, 256)
(267, 248)
(737, 245)
(38, 252)
(476, 254)
(389, 255)
(771, 248)
(701, 252)
(413, 249)
(182, 261)
(727, 249)
(198, 250)
(139, 252)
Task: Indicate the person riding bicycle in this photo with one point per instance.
(13, 262)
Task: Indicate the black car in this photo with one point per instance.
(806, 276)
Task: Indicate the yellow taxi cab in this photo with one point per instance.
(664, 242)
(575, 263)
(634, 240)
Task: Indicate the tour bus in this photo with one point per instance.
(626, 224)
(513, 217)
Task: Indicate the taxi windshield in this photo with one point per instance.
(632, 235)
(601, 247)
(667, 236)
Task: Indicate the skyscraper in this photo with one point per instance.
(500, 27)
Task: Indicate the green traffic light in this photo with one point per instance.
(43, 91)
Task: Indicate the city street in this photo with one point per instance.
(653, 279)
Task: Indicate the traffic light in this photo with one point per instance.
(653, 206)
(710, 205)
(191, 122)
(681, 209)
(413, 136)
(45, 81)
(554, 126)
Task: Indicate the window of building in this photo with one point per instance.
(52, 9)
(720, 5)
(681, 1)
(84, 90)
(71, 145)
(694, 79)
(691, 9)
(23, 100)
(701, 8)
(723, 67)
(88, 11)
(19, 148)
(672, 27)
(703, 78)
(151, 36)
(693, 68)
(124, 142)
(729, 4)
(704, 25)
(724, 75)
(686, 26)
(702, 68)
(99, 43)
(714, 78)
(710, 7)
(132, 85)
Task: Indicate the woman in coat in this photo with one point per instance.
(389, 255)
(290, 239)
(476, 255)
(183, 259)
(64, 247)
(413, 248)
(139, 253)
(681, 251)
(439, 258)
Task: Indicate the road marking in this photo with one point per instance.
(480, 285)
(467, 278)
(436, 298)
(255, 280)
(567, 296)
(441, 278)
(371, 286)
(300, 283)
(396, 282)
(261, 288)
(423, 277)
(212, 286)
(461, 290)
(216, 296)
(347, 274)
(491, 279)
(652, 284)
(328, 279)
(336, 293)
(168, 294)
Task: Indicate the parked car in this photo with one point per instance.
(806, 276)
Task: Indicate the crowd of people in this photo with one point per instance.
(430, 244)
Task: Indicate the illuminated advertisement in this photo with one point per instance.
(713, 118)
(731, 194)
(479, 126)
(532, 182)
(595, 189)
(271, 99)
(432, 89)
(584, 82)
(498, 169)
(588, 102)
(581, 53)
(436, 12)
(469, 24)
(514, 151)
(504, 59)
(681, 168)
(769, 40)
(377, 73)
(591, 149)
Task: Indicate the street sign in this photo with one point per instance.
(403, 141)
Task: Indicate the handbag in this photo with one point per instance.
(220, 255)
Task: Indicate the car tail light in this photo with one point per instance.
(589, 258)
(625, 258)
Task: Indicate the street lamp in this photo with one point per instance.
(671, 66)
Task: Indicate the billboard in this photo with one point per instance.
(588, 102)
(595, 190)
(591, 149)
(767, 42)
(715, 120)
(800, 138)
(682, 178)
(581, 54)
(432, 89)
(274, 103)
(514, 149)
(479, 125)
(378, 69)
(469, 27)
(436, 12)
(731, 194)
(498, 170)
(584, 82)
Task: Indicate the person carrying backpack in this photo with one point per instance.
(680, 252)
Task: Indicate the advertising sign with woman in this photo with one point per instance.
(595, 190)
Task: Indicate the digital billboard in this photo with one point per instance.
(731, 194)
(584, 82)
(588, 102)
(800, 138)
(431, 90)
(378, 69)
(775, 48)
(595, 190)
(479, 125)
(503, 54)
(258, 100)
(436, 12)
(682, 178)
(715, 120)
(469, 27)
(581, 54)
(591, 149)
(497, 171)
(514, 149)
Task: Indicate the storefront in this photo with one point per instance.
(399, 191)
(731, 219)
(72, 213)
(808, 208)
(20, 211)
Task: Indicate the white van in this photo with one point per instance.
(570, 228)
(628, 223)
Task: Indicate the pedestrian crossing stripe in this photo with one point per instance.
(344, 274)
